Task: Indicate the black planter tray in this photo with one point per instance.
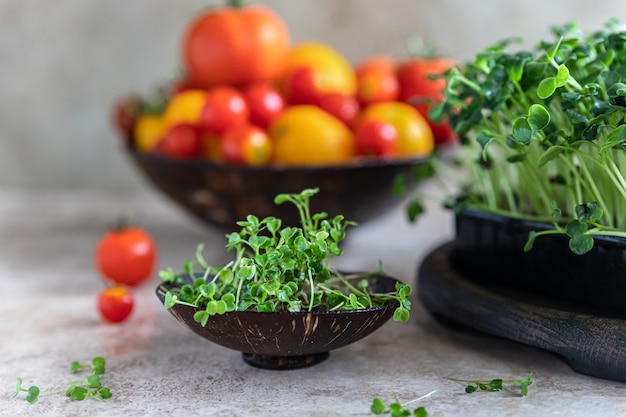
(592, 341)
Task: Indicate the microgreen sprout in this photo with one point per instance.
(78, 390)
(280, 268)
(398, 409)
(541, 128)
(495, 384)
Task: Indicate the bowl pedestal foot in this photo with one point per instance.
(284, 362)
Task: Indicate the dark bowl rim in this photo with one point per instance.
(364, 163)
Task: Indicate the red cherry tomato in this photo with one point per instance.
(376, 138)
(125, 113)
(343, 107)
(265, 102)
(246, 144)
(126, 255)
(225, 107)
(302, 88)
(181, 141)
(115, 304)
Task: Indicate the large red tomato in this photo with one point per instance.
(419, 90)
(235, 45)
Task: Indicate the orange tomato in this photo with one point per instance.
(415, 138)
(314, 69)
(376, 80)
(308, 135)
(419, 90)
(234, 45)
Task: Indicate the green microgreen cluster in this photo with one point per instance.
(542, 132)
(495, 384)
(398, 409)
(279, 268)
(78, 390)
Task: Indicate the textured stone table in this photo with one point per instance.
(156, 367)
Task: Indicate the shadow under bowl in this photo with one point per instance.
(222, 194)
(284, 340)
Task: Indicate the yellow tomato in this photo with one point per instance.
(185, 107)
(415, 137)
(307, 135)
(314, 69)
(148, 132)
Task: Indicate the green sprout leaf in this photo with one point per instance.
(522, 130)
(546, 87)
(538, 117)
(78, 390)
(536, 125)
(495, 385)
(280, 269)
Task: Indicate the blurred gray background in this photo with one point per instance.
(64, 62)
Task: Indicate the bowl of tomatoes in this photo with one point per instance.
(240, 126)
(222, 168)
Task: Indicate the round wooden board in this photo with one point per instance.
(592, 342)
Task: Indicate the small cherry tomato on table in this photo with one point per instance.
(115, 304)
(126, 255)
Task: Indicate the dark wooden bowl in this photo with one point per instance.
(284, 340)
(222, 194)
(489, 248)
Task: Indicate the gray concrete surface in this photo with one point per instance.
(156, 367)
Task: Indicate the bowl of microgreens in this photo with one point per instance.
(280, 302)
(539, 183)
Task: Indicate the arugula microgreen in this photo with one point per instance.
(539, 128)
(279, 268)
(78, 390)
(398, 409)
(495, 385)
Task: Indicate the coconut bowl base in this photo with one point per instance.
(281, 363)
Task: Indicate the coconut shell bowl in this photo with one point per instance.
(286, 340)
